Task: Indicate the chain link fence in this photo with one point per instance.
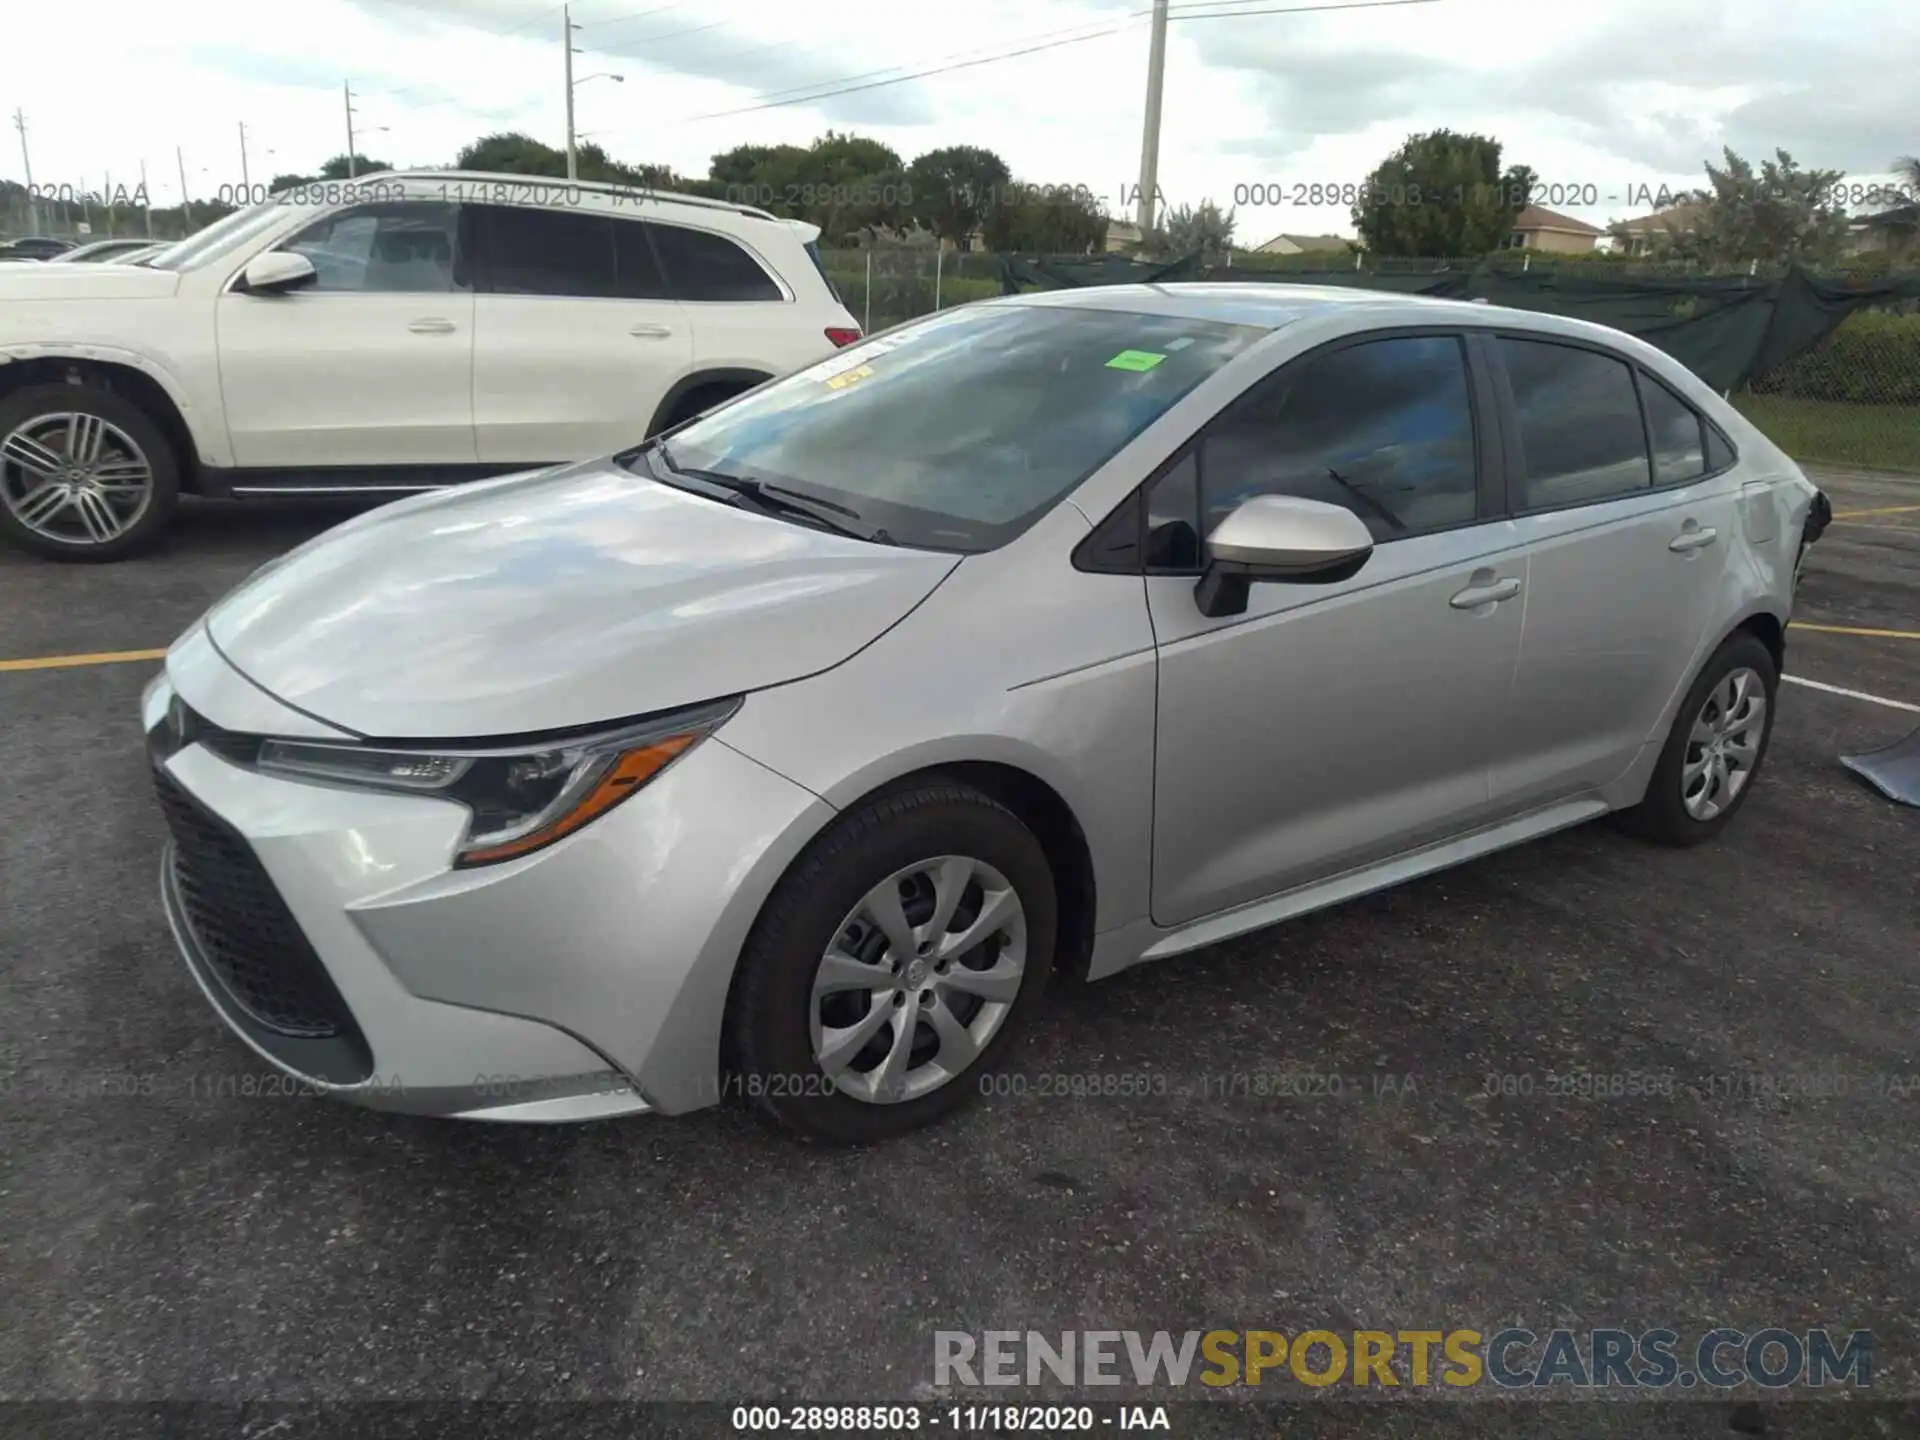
(1854, 399)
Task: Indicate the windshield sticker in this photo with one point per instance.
(841, 382)
(839, 365)
(1135, 360)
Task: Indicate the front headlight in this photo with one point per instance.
(523, 798)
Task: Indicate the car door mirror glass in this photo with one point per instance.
(276, 272)
(1279, 538)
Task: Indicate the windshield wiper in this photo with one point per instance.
(778, 500)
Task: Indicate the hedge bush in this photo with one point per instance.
(1872, 359)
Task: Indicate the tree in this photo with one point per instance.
(1188, 231)
(1779, 215)
(954, 190)
(509, 152)
(336, 168)
(845, 184)
(1441, 194)
(1046, 220)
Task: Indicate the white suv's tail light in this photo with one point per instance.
(842, 337)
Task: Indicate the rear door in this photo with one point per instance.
(1628, 534)
(1333, 725)
(576, 339)
(744, 319)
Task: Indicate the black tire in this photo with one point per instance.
(770, 1044)
(162, 464)
(1662, 816)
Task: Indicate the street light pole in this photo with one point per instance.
(566, 38)
(246, 183)
(146, 200)
(346, 90)
(186, 205)
(33, 209)
(1150, 139)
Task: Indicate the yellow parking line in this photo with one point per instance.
(1855, 630)
(1885, 510)
(68, 662)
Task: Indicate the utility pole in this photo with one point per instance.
(347, 91)
(246, 186)
(186, 205)
(33, 210)
(567, 28)
(146, 200)
(1150, 139)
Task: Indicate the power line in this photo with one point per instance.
(920, 74)
(1104, 28)
(1189, 11)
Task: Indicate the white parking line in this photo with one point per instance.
(1852, 694)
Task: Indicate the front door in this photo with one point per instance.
(1332, 725)
(372, 365)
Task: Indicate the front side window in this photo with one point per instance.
(957, 432)
(1580, 430)
(1383, 428)
(400, 247)
(704, 266)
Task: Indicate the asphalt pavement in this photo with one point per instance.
(171, 1230)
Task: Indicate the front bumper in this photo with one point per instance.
(326, 927)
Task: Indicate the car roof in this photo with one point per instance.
(551, 183)
(1271, 306)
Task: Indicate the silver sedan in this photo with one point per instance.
(785, 756)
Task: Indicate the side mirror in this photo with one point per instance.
(1279, 538)
(276, 272)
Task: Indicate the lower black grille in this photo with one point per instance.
(243, 928)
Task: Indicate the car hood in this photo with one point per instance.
(41, 281)
(559, 598)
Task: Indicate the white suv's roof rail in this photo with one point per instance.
(598, 187)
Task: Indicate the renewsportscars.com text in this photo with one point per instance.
(1512, 1358)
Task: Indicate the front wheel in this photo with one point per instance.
(894, 966)
(1714, 750)
(84, 473)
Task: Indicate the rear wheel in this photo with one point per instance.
(894, 966)
(1714, 752)
(84, 473)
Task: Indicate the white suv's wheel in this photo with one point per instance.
(84, 474)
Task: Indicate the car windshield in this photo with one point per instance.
(227, 231)
(958, 432)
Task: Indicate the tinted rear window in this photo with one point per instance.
(704, 266)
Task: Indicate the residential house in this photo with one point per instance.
(1122, 236)
(1303, 244)
(1894, 233)
(1538, 228)
(1644, 234)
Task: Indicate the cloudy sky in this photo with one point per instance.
(1604, 98)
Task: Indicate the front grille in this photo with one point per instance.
(243, 928)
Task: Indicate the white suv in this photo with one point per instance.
(386, 335)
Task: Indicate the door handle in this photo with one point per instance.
(651, 332)
(433, 325)
(1696, 539)
(1474, 596)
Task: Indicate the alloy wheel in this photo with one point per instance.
(1724, 745)
(74, 477)
(918, 978)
